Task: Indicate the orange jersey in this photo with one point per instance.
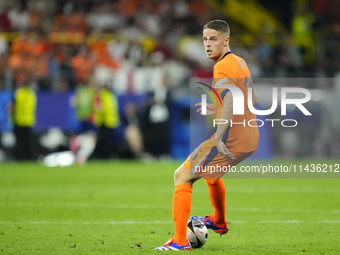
(239, 137)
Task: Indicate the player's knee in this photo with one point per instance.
(178, 176)
(183, 176)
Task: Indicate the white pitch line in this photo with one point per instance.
(86, 205)
(159, 222)
(85, 222)
(166, 207)
(298, 221)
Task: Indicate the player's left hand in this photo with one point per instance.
(210, 109)
(222, 149)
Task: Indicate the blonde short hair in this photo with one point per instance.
(219, 25)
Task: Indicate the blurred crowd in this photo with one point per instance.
(137, 47)
(133, 45)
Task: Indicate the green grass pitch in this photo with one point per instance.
(122, 207)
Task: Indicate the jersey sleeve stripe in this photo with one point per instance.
(212, 154)
(224, 92)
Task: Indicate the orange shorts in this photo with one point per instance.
(207, 163)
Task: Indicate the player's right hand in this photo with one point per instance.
(222, 149)
(210, 109)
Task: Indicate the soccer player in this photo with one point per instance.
(227, 147)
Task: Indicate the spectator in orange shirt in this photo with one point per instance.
(70, 21)
(99, 47)
(77, 22)
(83, 64)
(21, 43)
(39, 44)
(21, 63)
(127, 8)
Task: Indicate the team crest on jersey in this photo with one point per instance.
(242, 63)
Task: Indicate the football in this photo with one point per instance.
(197, 233)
